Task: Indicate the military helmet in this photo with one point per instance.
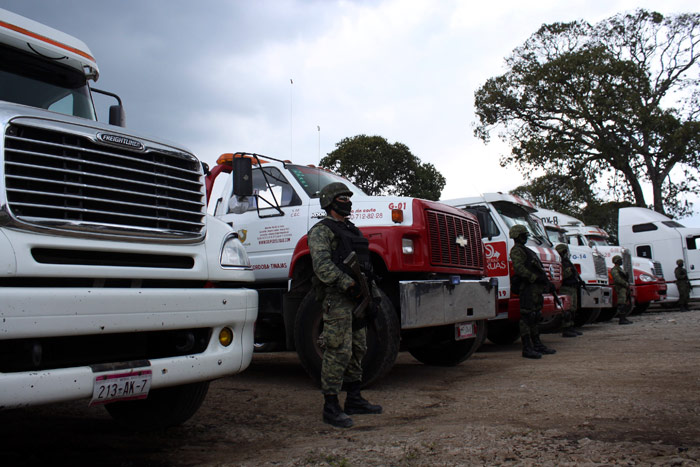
(617, 259)
(679, 262)
(561, 248)
(517, 230)
(330, 191)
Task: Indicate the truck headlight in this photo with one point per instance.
(646, 278)
(233, 253)
(407, 246)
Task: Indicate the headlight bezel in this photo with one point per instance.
(233, 254)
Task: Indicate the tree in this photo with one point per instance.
(561, 193)
(380, 168)
(618, 102)
(572, 196)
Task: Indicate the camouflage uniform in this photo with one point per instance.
(343, 346)
(531, 289)
(683, 285)
(622, 288)
(570, 286)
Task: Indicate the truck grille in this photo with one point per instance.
(553, 270)
(601, 270)
(658, 270)
(444, 231)
(65, 180)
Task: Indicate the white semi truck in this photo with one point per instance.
(649, 234)
(648, 284)
(497, 213)
(115, 285)
(590, 265)
(427, 257)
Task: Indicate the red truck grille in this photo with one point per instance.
(553, 270)
(454, 241)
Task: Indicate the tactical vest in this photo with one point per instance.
(349, 239)
(533, 263)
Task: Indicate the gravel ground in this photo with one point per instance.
(618, 395)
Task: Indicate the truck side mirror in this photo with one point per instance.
(117, 116)
(242, 176)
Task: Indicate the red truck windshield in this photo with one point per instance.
(36, 82)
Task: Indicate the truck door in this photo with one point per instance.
(269, 223)
(692, 242)
(495, 248)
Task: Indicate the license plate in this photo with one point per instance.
(464, 331)
(121, 386)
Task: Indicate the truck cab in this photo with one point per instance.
(591, 266)
(497, 213)
(117, 288)
(657, 238)
(648, 286)
(427, 257)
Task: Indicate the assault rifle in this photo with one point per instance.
(360, 279)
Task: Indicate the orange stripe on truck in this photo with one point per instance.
(46, 39)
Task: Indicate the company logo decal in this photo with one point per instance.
(496, 259)
(120, 141)
(461, 241)
(242, 235)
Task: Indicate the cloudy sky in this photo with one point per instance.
(216, 76)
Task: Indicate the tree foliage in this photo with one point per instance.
(381, 168)
(575, 197)
(561, 193)
(617, 102)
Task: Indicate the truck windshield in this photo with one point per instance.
(514, 214)
(595, 240)
(313, 179)
(37, 82)
(556, 236)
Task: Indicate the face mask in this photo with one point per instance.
(344, 208)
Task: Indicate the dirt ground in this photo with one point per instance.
(618, 395)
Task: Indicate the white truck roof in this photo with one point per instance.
(629, 216)
(33, 37)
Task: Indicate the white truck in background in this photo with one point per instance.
(649, 234)
(427, 257)
(590, 265)
(497, 213)
(648, 284)
(116, 286)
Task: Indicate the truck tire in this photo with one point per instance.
(639, 309)
(503, 332)
(163, 408)
(607, 314)
(444, 350)
(382, 340)
(586, 316)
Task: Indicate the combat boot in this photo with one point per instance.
(569, 332)
(332, 414)
(356, 404)
(578, 333)
(624, 320)
(528, 350)
(540, 347)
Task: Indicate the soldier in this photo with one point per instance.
(344, 336)
(683, 285)
(530, 281)
(571, 282)
(622, 288)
